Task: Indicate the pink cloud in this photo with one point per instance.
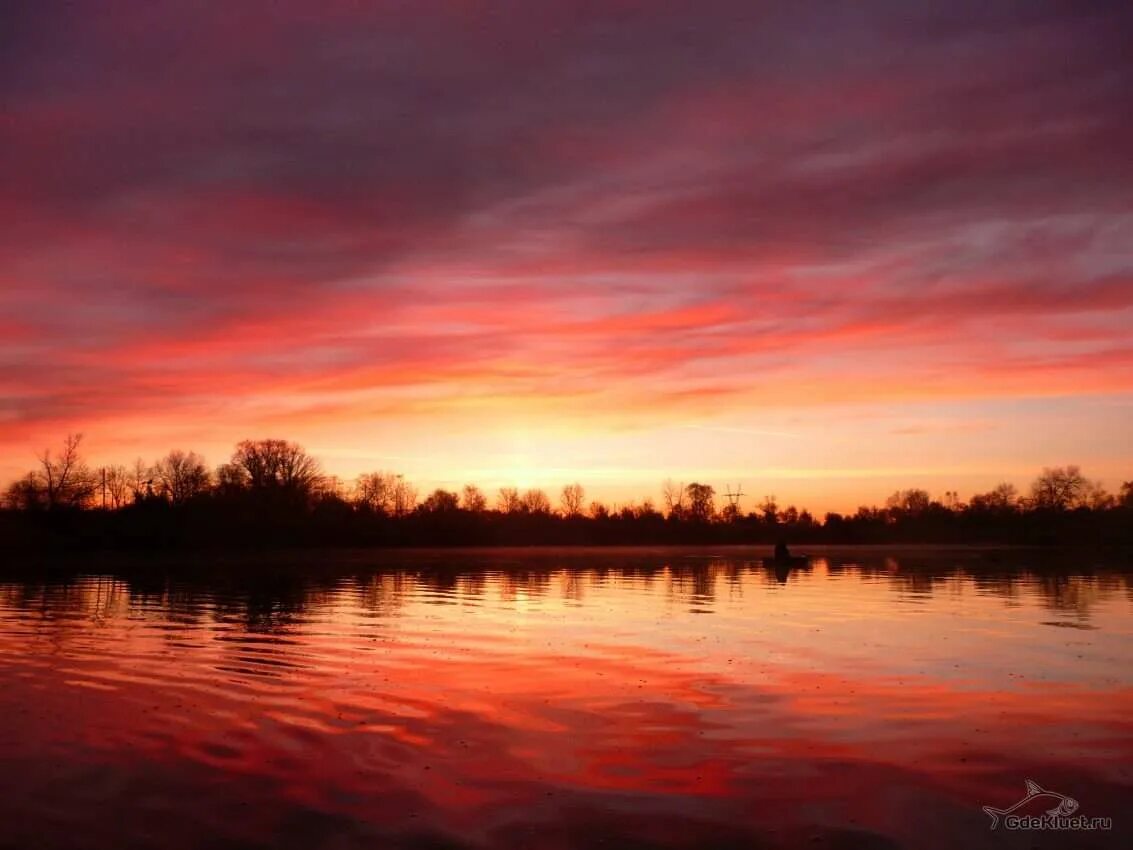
(608, 214)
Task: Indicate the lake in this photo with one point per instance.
(554, 699)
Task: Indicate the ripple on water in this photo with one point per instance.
(676, 697)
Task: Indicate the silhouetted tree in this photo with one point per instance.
(330, 487)
(1126, 497)
(26, 494)
(535, 501)
(230, 479)
(508, 501)
(1095, 497)
(277, 465)
(673, 495)
(115, 484)
(912, 502)
(141, 480)
(1002, 498)
(769, 508)
(65, 479)
(272, 494)
(404, 496)
(375, 490)
(441, 501)
(182, 476)
(1059, 488)
(572, 499)
(701, 502)
(473, 499)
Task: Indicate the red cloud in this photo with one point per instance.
(605, 213)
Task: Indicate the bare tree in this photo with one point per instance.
(1003, 497)
(1059, 488)
(572, 499)
(441, 501)
(508, 501)
(1095, 497)
(230, 478)
(141, 480)
(26, 494)
(374, 490)
(702, 502)
(1126, 497)
(330, 488)
(278, 465)
(404, 496)
(536, 502)
(182, 475)
(674, 496)
(473, 499)
(769, 507)
(1006, 494)
(116, 484)
(913, 502)
(66, 479)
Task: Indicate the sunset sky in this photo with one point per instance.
(825, 250)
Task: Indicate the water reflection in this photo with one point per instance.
(649, 699)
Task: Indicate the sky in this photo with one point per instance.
(821, 251)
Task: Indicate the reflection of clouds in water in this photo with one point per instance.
(558, 703)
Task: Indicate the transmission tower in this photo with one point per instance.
(734, 498)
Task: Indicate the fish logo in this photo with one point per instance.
(1059, 804)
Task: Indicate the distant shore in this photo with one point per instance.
(273, 495)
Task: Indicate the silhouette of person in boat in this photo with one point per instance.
(784, 561)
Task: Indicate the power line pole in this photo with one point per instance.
(734, 498)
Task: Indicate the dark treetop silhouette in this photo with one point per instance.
(272, 493)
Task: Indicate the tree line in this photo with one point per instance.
(271, 492)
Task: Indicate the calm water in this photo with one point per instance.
(620, 700)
